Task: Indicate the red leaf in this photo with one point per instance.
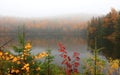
(76, 54)
(69, 66)
(76, 64)
(61, 46)
(69, 58)
(77, 58)
(63, 61)
(61, 50)
(64, 56)
(66, 63)
(76, 70)
(68, 72)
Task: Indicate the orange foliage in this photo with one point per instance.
(92, 29)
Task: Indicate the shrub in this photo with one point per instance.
(71, 64)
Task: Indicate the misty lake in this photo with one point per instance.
(73, 43)
(44, 42)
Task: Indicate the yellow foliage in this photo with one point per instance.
(37, 69)
(17, 71)
(12, 71)
(19, 60)
(14, 59)
(114, 64)
(1, 53)
(41, 55)
(11, 56)
(6, 53)
(28, 46)
(26, 67)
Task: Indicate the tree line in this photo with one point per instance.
(106, 30)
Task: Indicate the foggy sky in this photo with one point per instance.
(49, 8)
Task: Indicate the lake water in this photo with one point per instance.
(73, 43)
(45, 42)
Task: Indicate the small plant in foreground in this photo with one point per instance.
(89, 66)
(94, 65)
(47, 65)
(113, 66)
(71, 64)
(21, 63)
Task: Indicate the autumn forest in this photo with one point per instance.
(72, 45)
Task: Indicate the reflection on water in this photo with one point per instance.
(72, 43)
(52, 40)
(111, 49)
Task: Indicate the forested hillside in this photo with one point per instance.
(107, 31)
(71, 25)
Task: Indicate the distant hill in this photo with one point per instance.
(69, 24)
(60, 28)
(74, 21)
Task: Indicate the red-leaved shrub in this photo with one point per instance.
(71, 64)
